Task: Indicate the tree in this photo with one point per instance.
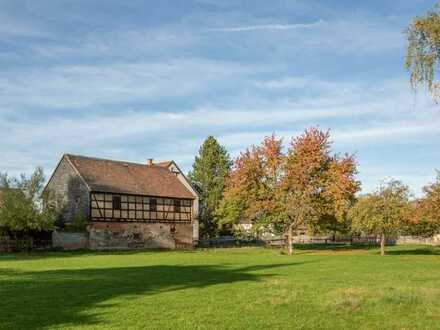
(251, 190)
(316, 186)
(306, 187)
(209, 172)
(339, 194)
(21, 207)
(382, 212)
(423, 51)
(424, 218)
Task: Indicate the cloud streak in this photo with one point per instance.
(268, 27)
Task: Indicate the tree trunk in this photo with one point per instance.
(289, 241)
(382, 244)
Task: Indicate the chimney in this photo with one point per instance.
(150, 161)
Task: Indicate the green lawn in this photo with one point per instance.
(224, 288)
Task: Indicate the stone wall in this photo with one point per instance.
(125, 235)
(69, 241)
(70, 192)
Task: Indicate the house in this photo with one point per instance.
(124, 204)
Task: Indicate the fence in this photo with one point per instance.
(277, 241)
(228, 241)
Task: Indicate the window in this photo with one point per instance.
(117, 203)
(153, 204)
(176, 205)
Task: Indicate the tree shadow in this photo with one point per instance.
(417, 250)
(63, 297)
(37, 255)
(334, 247)
(391, 249)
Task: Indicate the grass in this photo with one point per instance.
(337, 287)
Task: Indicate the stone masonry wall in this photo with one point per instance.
(70, 192)
(123, 235)
(70, 241)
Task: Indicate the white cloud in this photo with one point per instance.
(131, 66)
(79, 86)
(34, 141)
(268, 27)
(120, 43)
(390, 131)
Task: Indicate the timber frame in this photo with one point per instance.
(139, 208)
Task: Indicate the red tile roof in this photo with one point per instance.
(164, 163)
(129, 178)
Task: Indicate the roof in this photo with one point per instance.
(164, 163)
(130, 178)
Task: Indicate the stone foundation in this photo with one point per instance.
(126, 235)
(69, 241)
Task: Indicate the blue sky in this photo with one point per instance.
(132, 80)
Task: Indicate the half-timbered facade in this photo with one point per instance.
(126, 204)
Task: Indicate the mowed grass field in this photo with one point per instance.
(321, 288)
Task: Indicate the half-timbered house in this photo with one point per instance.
(126, 205)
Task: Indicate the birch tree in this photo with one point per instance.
(423, 51)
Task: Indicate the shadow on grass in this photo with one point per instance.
(390, 249)
(419, 250)
(65, 297)
(36, 255)
(334, 247)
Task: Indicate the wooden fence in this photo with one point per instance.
(278, 241)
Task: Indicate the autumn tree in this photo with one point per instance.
(208, 175)
(338, 194)
(424, 219)
(315, 184)
(251, 189)
(382, 212)
(423, 51)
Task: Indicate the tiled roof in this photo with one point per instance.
(164, 163)
(129, 178)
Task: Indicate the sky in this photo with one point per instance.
(132, 80)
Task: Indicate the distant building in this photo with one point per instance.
(126, 205)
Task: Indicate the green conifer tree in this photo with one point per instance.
(208, 175)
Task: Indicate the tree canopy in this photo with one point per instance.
(382, 212)
(21, 205)
(251, 189)
(423, 51)
(208, 175)
(424, 219)
(307, 186)
(317, 187)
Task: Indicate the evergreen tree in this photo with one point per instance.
(210, 170)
